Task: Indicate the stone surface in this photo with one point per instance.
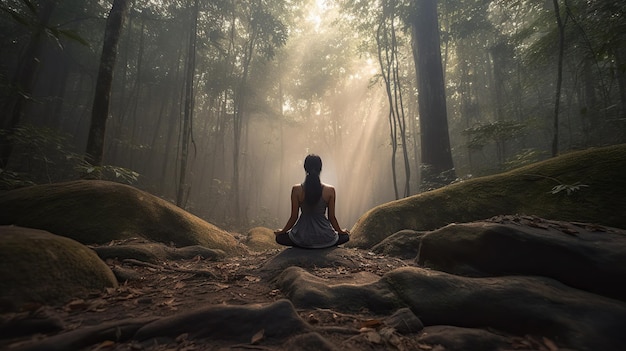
(404, 244)
(526, 190)
(97, 212)
(586, 257)
(520, 305)
(261, 238)
(40, 267)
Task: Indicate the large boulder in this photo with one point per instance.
(587, 257)
(517, 304)
(592, 189)
(43, 268)
(261, 239)
(97, 212)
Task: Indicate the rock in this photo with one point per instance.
(581, 256)
(97, 212)
(308, 291)
(261, 239)
(403, 244)
(308, 258)
(519, 305)
(526, 190)
(40, 267)
(278, 320)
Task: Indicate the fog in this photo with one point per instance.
(354, 148)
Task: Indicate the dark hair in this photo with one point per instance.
(312, 184)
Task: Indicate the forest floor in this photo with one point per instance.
(173, 287)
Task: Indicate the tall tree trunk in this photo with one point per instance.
(559, 79)
(435, 141)
(22, 82)
(100, 108)
(188, 108)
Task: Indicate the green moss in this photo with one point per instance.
(526, 190)
(97, 212)
(37, 266)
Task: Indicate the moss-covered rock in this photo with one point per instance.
(97, 212)
(261, 239)
(595, 180)
(40, 267)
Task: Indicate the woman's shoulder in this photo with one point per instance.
(324, 185)
(328, 189)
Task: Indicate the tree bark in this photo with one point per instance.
(188, 108)
(435, 141)
(100, 107)
(559, 79)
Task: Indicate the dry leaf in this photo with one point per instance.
(370, 323)
(424, 346)
(550, 344)
(258, 337)
(105, 345)
(76, 305)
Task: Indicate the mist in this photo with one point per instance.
(309, 78)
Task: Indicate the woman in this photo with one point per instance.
(313, 229)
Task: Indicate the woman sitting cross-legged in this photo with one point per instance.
(312, 229)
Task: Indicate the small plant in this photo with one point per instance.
(568, 188)
(44, 155)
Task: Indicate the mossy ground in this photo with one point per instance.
(97, 212)
(600, 197)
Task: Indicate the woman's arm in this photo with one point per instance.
(295, 206)
(331, 213)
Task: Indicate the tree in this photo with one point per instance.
(188, 105)
(25, 74)
(435, 141)
(100, 107)
(559, 78)
(388, 46)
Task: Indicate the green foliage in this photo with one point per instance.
(486, 133)
(568, 188)
(523, 158)
(44, 155)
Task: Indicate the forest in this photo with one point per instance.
(214, 104)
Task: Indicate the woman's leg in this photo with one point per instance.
(284, 239)
(343, 238)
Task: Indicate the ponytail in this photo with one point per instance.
(312, 183)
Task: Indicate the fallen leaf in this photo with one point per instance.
(76, 305)
(370, 323)
(550, 344)
(105, 345)
(258, 337)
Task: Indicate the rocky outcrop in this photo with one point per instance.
(583, 256)
(592, 189)
(40, 267)
(97, 212)
(260, 239)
